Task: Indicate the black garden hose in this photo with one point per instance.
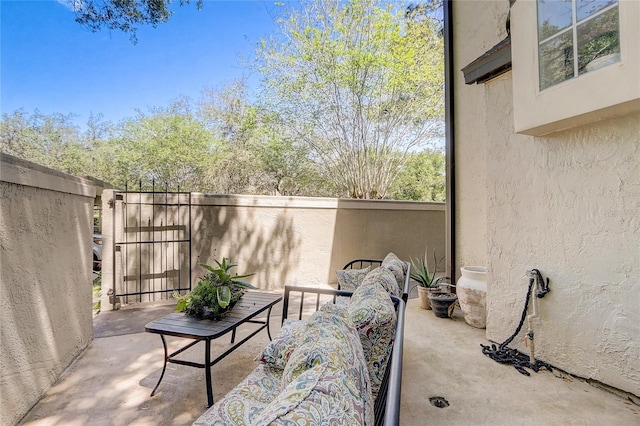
(505, 355)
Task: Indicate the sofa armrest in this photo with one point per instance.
(317, 291)
(391, 412)
(407, 279)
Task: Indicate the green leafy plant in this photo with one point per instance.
(215, 294)
(422, 275)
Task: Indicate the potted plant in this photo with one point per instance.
(215, 294)
(443, 303)
(427, 282)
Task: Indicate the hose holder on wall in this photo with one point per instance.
(505, 355)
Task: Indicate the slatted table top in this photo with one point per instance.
(181, 325)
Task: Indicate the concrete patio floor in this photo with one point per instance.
(110, 383)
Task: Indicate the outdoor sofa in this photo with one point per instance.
(340, 365)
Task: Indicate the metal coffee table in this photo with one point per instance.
(245, 310)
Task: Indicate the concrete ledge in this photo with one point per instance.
(311, 202)
(22, 172)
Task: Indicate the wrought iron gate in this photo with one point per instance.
(152, 245)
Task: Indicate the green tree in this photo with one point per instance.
(287, 164)
(227, 113)
(233, 123)
(422, 178)
(167, 148)
(49, 140)
(360, 83)
(254, 156)
(123, 15)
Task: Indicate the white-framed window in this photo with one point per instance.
(574, 62)
(576, 37)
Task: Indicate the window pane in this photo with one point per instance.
(598, 42)
(553, 16)
(556, 60)
(586, 8)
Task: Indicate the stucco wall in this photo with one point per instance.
(295, 240)
(482, 31)
(568, 205)
(304, 240)
(45, 280)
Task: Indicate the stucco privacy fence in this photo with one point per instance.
(45, 276)
(284, 240)
(46, 227)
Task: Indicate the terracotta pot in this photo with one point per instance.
(423, 295)
(472, 294)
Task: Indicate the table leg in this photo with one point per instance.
(166, 357)
(268, 318)
(207, 371)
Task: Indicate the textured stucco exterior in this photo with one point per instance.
(567, 204)
(286, 240)
(45, 280)
(303, 241)
(482, 30)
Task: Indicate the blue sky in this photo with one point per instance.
(51, 63)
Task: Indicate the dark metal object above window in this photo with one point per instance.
(492, 63)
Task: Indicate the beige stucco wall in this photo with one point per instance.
(45, 280)
(304, 240)
(482, 31)
(567, 204)
(294, 240)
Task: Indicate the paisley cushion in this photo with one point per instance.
(278, 351)
(329, 338)
(397, 272)
(397, 267)
(385, 278)
(340, 308)
(373, 314)
(242, 405)
(322, 395)
(350, 279)
(292, 395)
(332, 340)
(391, 257)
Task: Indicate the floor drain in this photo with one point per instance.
(438, 401)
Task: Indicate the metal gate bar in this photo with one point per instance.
(143, 249)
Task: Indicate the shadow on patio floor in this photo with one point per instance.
(110, 383)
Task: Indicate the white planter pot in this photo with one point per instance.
(471, 289)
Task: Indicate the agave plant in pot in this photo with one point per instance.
(426, 279)
(215, 294)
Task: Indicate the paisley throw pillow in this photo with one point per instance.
(350, 279)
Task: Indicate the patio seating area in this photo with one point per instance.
(110, 383)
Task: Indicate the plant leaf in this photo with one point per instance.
(209, 267)
(438, 281)
(228, 264)
(242, 276)
(181, 305)
(224, 296)
(243, 284)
